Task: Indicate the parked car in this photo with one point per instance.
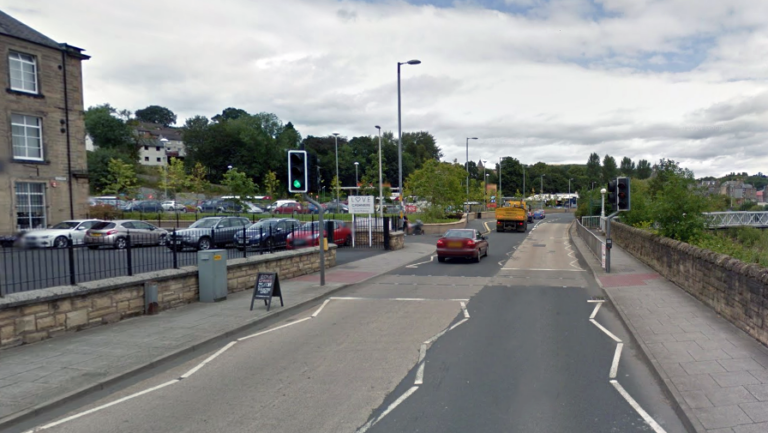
(289, 208)
(278, 203)
(9, 241)
(146, 206)
(334, 207)
(219, 206)
(267, 234)
(173, 206)
(314, 209)
(58, 235)
(253, 208)
(309, 235)
(116, 234)
(462, 243)
(207, 233)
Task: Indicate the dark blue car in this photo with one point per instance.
(268, 234)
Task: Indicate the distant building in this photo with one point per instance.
(738, 191)
(760, 195)
(160, 144)
(43, 166)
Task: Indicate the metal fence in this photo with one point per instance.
(595, 244)
(591, 222)
(113, 253)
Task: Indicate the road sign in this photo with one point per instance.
(361, 204)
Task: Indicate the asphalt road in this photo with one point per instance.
(503, 345)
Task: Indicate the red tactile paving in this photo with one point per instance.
(339, 277)
(627, 280)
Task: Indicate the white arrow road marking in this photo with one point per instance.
(416, 265)
(207, 360)
(594, 312)
(607, 332)
(616, 357)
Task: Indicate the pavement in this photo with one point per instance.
(716, 373)
(39, 377)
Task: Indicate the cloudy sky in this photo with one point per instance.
(539, 80)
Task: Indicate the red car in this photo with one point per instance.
(464, 243)
(289, 208)
(308, 235)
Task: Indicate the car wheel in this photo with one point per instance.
(60, 242)
(121, 243)
(476, 259)
(348, 241)
(204, 244)
(441, 259)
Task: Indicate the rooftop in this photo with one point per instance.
(14, 28)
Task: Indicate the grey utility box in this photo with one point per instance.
(212, 275)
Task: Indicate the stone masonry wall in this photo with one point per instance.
(29, 317)
(736, 290)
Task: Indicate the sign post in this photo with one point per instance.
(267, 286)
(361, 204)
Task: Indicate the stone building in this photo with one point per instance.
(43, 166)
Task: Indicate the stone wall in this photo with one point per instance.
(396, 241)
(440, 229)
(28, 317)
(735, 290)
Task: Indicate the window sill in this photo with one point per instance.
(23, 93)
(30, 162)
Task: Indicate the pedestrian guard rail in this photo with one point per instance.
(595, 243)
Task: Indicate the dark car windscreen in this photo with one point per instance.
(103, 226)
(204, 223)
(468, 234)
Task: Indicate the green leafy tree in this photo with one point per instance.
(98, 166)
(109, 131)
(271, 184)
(665, 170)
(156, 114)
(440, 184)
(678, 208)
(627, 167)
(644, 169)
(121, 178)
(641, 214)
(174, 178)
(239, 185)
(230, 114)
(197, 179)
(610, 170)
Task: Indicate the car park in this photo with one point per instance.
(462, 243)
(118, 233)
(58, 235)
(309, 235)
(207, 233)
(266, 234)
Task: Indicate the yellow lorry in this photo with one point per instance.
(514, 214)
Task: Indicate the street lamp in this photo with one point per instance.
(467, 168)
(336, 140)
(400, 129)
(165, 174)
(485, 189)
(357, 184)
(524, 193)
(602, 209)
(569, 192)
(499, 192)
(381, 190)
(542, 190)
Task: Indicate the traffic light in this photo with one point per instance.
(623, 193)
(297, 171)
(612, 198)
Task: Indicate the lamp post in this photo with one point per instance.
(499, 192)
(542, 191)
(569, 192)
(602, 208)
(399, 129)
(357, 183)
(165, 173)
(336, 141)
(485, 189)
(381, 190)
(467, 168)
(524, 192)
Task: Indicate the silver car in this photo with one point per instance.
(58, 236)
(116, 234)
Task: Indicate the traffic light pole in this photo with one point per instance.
(608, 242)
(321, 238)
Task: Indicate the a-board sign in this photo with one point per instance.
(361, 204)
(267, 286)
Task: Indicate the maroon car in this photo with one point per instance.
(289, 208)
(463, 243)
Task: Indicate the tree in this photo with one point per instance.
(239, 185)
(627, 167)
(440, 184)
(156, 114)
(98, 166)
(271, 183)
(230, 114)
(197, 181)
(610, 171)
(594, 171)
(665, 170)
(109, 131)
(174, 177)
(644, 169)
(678, 208)
(121, 178)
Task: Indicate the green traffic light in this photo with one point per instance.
(296, 184)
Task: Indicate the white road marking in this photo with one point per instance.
(420, 372)
(389, 409)
(456, 325)
(596, 300)
(539, 269)
(487, 228)
(464, 308)
(395, 299)
(96, 409)
(615, 338)
(647, 418)
(207, 360)
(616, 357)
(321, 308)
(416, 265)
(438, 335)
(594, 312)
(274, 329)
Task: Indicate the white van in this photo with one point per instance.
(279, 203)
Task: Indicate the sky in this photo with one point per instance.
(537, 80)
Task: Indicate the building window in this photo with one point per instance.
(23, 72)
(27, 137)
(158, 159)
(146, 147)
(157, 149)
(146, 158)
(30, 205)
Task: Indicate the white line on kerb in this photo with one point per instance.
(464, 308)
(615, 363)
(96, 409)
(207, 360)
(420, 372)
(456, 325)
(321, 308)
(615, 338)
(596, 300)
(537, 269)
(416, 265)
(648, 419)
(438, 335)
(273, 329)
(391, 407)
(594, 312)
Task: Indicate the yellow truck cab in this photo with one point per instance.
(512, 215)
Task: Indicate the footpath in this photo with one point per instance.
(41, 376)
(716, 373)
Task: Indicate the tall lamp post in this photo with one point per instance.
(499, 192)
(542, 191)
(467, 168)
(336, 141)
(485, 190)
(524, 192)
(357, 183)
(602, 207)
(400, 129)
(165, 174)
(569, 192)
(381, 190)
